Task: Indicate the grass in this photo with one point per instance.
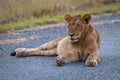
(31, 22)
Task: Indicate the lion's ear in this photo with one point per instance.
(87, 18)
(68, 17)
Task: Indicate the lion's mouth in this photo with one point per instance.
(72, 40)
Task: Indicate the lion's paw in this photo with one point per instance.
(59, 61)
(18, 52)
(91, 63)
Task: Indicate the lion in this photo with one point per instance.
(81, 43)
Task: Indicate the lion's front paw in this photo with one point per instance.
(59, 61)
(18, 52)
(91, 63)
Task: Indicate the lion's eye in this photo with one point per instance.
(78, 25)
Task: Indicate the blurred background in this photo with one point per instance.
(15, 14)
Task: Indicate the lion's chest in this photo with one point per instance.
(83, 54)
(82, 50)
(65, 47)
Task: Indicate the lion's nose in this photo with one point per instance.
(71, 34)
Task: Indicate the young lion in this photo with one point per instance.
(82, 43)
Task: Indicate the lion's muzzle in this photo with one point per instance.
(73, 40)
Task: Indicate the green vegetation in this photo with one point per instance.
(22, 15)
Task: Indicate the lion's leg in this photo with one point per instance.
(50, 45)
(47, 49)
(24, 52)
(67, 58)
(93, 59)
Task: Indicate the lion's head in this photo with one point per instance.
(77, 26)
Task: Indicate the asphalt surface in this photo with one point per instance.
(44, 68)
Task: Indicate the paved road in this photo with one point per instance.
(44, 68)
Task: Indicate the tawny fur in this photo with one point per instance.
(82, 43)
